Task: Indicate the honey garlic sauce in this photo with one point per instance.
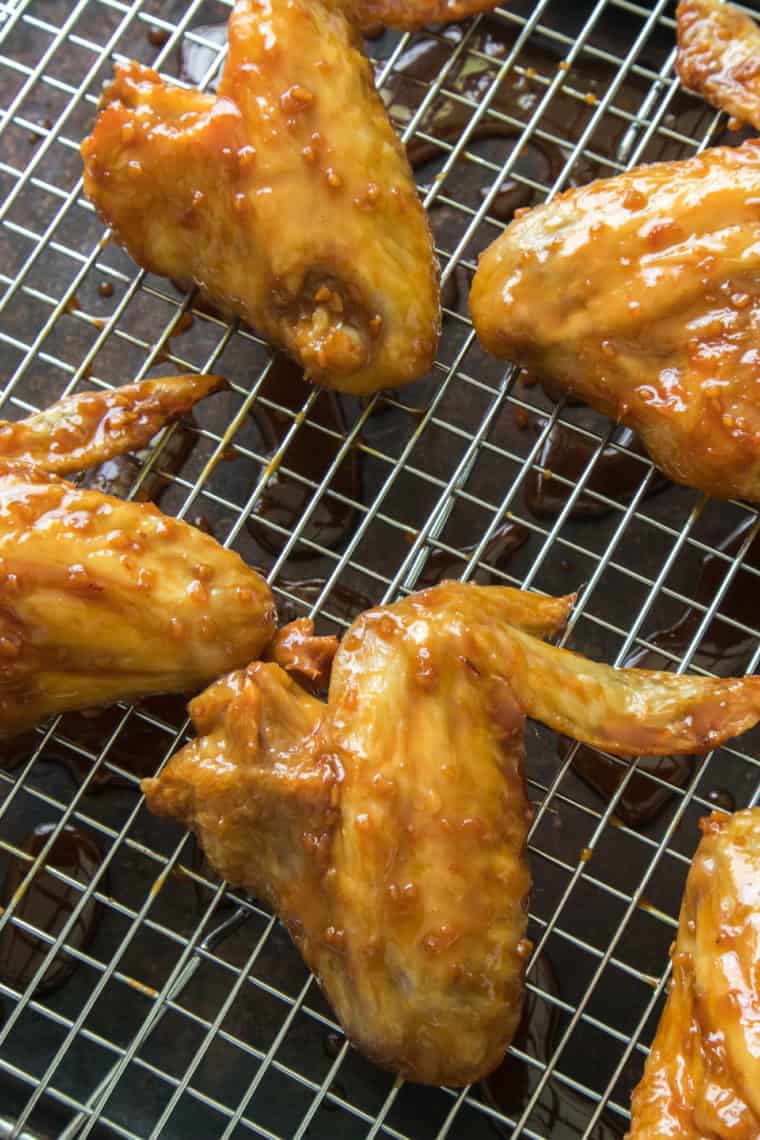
(286, 496)
(47, 904)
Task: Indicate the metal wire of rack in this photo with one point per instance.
(139, 996)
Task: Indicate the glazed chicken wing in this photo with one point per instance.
(300, 653)
(101, 599)
(640, 294)
(287, 198)
(398, 14)
(90, 427)
(702, 1077)
(719, 56)
(388, 826)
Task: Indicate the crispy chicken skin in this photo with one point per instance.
(640, 294)
(719, 56)
(307, 658)
(702, 1077)
(82, 430)
(388, 826)
(287, 199)
(398, 14)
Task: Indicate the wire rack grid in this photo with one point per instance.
(139, 997)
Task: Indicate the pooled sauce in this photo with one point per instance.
(503, 543)
(566, 453)
(333, 1043)
(345, 603)
(723, 650)
(442, 220)
(466, 85)
(446, 119)
(157, 37)
(508, 1087)
(309, 454)
(117, 476)
(47, 904)
(138, 749)
(722, 799)
(16, 750)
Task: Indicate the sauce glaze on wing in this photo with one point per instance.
(719, 57)
(388, 826)
(287, 199)
(640, 294)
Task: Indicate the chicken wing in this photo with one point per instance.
(388, 826)
(640, 294)
(300, 653)
(702, 1078)
(90, 427)
(101, 599)
(398, 14)
(287, 199)
(719, 56)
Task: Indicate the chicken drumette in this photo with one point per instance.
(702, 1077)
(641, 295)
(719, 56)
(388, 826)
(287, 198)
(101, 599)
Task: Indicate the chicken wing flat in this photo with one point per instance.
(287, 199)
(640, 294)
(719, 57)
(82, 430)
(101, 599)
(702, 1077)
(388, 826)
(104, 600)
(397, 14)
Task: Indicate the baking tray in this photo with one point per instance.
(170, 1006)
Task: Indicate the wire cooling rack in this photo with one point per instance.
(138, 996)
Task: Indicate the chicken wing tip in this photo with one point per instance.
(208, 381)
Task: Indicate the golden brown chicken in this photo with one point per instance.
(101, 599)
(90, 427)
(702, 1077)
(398, 14)
(719, 56)
(388, 826)
(287, 198)
(308, 658)
(640, 294)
